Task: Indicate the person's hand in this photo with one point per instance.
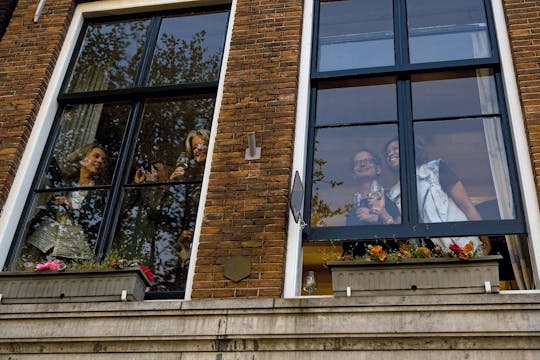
(177, 173)
(365, 215)
(140, 176)
(63, 201)
(377, 203)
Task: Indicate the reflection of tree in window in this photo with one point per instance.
(109, 57)
(180, 61)
(320, 210)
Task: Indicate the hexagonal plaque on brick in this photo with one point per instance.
(237, 268)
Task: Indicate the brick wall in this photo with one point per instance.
(28, 53)
(246, 208)
(523, 18)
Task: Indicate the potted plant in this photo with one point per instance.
(54, 281)
(415, 271)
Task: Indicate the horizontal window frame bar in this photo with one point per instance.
(422, 230)
(158, 184)
(205, 89)
(397, 70)
(73, 188)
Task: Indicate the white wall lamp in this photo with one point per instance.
(252, 152)
(39, 9)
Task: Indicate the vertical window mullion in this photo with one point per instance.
(310, 156)
(315, 37)
(400, 33)
(150, 45)
(112, 207)
(491, 29)
(406, 150)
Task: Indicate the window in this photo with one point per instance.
(123, 166)
(6, 11)
(408, 134)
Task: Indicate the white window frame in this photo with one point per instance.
(293, 271)
(26, 171)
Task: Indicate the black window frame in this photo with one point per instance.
(402, 71)
(135, 97)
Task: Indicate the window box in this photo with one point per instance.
(416, 276)
(73, 286)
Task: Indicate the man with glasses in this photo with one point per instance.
(371, 205)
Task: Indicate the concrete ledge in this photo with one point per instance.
(307, 328)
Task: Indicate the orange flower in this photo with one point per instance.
(423, 252)
(378, 252)
(468, 248)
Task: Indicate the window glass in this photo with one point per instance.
(156, 226)
(454, 93)
(462, 171)
(357, 101)
(441, 30)
(352, 181)
(355, 34)
(189, 49)
(81, 127)
(162, 137)
(64, 225)
(109, 56)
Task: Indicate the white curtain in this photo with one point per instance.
(499, 169)
(80, 124)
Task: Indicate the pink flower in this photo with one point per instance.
(49, 265)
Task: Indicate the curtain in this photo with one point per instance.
(499, 169)
(80, 123)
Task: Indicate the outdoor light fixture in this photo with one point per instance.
(310, 284)
(252, 152)
(39, 9)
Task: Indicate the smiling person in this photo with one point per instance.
(371, 204)
(442, 197)
(67, 225)
(191, 164)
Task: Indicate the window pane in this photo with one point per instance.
(83, 129)
(64, 225)
(109, 56)
(355, 34)
(189, 49)
(156, 226)
(358, 101)
(162, 139)
(442, 30)
(462, 171)
(454, 93)
(349, 164)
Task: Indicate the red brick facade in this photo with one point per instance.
(28, 53)
(523, 20)
(246, 209)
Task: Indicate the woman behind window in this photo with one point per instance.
(67, 223)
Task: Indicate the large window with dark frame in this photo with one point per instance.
(122, 170)
(409, 136)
